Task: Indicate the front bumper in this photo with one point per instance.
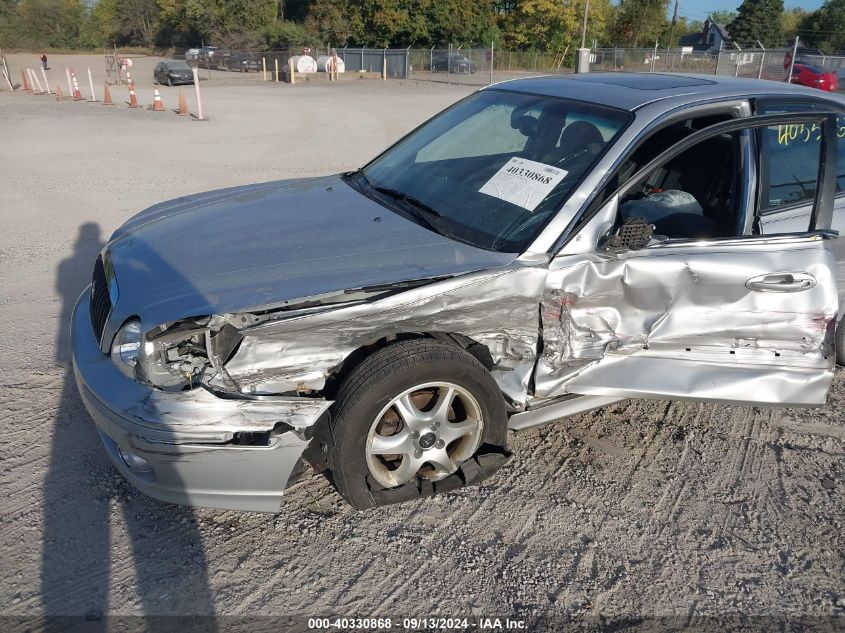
(186, 437)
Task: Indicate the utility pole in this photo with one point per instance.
(672, 26)
(582, 59)
(584, 26)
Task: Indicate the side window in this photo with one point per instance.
(791, 164)
(659, 141)
(683, 200)
(791, 155)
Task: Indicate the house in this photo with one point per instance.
(712, 38)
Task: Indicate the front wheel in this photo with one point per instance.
(409, 417)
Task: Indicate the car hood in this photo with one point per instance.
(258, 246)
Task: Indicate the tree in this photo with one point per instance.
(136, 22)
(640, 22)
(682, 26)
(100, 28)
(7, 8)
(183, 22)
(552, 26)
(825, 28)
(55, 23)
(691, 26)
(791, 21)
(467, 22)
(230, 16)
(722, 17)
(334, 21)
(287, 34)
(757, 20)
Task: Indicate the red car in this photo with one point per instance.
(813, 77)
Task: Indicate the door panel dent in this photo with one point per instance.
(686, 308)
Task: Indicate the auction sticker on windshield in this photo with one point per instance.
(523, 182)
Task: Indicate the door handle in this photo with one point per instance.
(781, 282)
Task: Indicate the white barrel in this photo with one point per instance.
(304, 64)
(324, 61)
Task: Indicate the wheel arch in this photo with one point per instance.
(480, 351)
(337, 447)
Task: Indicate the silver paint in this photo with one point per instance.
(497, 308)
(319, 271)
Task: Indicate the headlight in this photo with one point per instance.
(174, 356)
(124, 349)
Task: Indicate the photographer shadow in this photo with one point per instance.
(85, 497)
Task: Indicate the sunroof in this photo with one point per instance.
(645, 81)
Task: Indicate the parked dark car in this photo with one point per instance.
(242, 62)
(452, 63)
(814, 77)
(173, 72)
(205, 57)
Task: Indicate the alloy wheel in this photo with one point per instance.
(426, 431)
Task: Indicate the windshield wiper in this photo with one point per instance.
(419, 211)
(426, 215)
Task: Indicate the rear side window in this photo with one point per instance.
(791, 155)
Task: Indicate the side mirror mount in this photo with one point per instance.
(634, 234)
(592, 233)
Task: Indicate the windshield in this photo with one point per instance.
(494, 168)
(178, 66)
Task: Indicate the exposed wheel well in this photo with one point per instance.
(478, 350)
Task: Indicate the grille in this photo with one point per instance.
(100, 301)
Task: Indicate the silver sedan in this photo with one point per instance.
(543, 247)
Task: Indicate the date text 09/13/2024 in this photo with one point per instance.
(425, 623)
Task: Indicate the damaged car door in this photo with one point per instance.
(666, 288)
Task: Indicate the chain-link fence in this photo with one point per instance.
(651, 60)
(393, 62)
(830, 63)
(754, 64)
(480, 66)
(457, 65)
(771, 64)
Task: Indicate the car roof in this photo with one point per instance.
(630, 91)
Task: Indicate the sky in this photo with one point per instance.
(698, 9)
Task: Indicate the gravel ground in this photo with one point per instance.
(639, 510)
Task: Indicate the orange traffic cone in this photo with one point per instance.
(77, 95)
(59, 95)
(133, 100)
(25, 82)
(158, 105)
(106, 95)
(183, 104)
